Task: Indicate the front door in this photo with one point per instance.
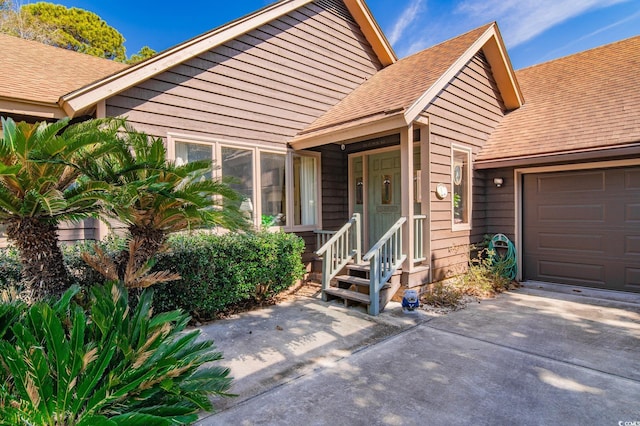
(384, 195)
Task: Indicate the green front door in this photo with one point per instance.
(384, 195)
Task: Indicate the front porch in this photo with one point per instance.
(385, 245)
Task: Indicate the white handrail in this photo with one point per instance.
(384, 238)
(322, 237)
(343, 247)
(385, 258)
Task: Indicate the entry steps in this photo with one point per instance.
(354, 287)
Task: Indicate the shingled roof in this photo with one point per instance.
(400, 92)
(584, 102)
(399, 85)
(36, 73)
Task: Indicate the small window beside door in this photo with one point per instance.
(461, 185)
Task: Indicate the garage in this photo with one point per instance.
(582, 227)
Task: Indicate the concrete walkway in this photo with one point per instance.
(540, 355)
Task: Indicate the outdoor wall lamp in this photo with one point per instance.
(498, 182)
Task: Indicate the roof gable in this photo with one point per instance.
(584, 102)
(399, 93)
(35, 75)
(79, 100)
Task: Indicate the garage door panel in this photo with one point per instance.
(632, 245)
(583, 228)
(592, 244)
(633, 279)
(567, 271)
(632, 179)
(593, 181)
(573, 213)
(632, 213)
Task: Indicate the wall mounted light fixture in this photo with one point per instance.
(498, 181)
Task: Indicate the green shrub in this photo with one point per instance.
(106, 364)
(484, 278)
(82, 273)
(219, 271)
(10, 268)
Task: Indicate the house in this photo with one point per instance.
(306, 103)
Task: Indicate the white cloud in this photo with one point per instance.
(521, 21)
(408, 17)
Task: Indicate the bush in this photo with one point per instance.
(443, 295)
(483, 278)
(106, 364)
(219, 271)
(10, 268)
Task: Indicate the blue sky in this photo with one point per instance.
(534, 30)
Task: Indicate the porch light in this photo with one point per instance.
(498, 182)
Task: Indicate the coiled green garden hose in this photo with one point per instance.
(504, 257)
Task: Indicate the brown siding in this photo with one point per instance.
(262, 87)
(464, 113)
(335, 192)
(501, 217)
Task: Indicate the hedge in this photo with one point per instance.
(218, 271)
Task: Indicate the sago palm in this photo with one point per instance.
(104, 363)
(39, 188)
(154, 197)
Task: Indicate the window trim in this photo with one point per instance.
(216, 151)
(289, 186)
(469, 154)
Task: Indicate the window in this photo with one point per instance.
(305, 190)
(272, 189)
(278, 188)
(237, 167)
(190, 152)
(461, 184)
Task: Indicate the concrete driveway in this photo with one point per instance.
(541, 355)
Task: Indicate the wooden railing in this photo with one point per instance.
(345, 245)
(385, 257)
(322, 237)
(418, 238)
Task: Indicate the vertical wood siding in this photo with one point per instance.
(464, 113)
(262, 87)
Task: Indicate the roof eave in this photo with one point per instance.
(490, 42)
(350, 132)
(82, 99)
(580, 155)
(45, 110)
(371, 30)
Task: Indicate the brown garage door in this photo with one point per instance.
(583, 228)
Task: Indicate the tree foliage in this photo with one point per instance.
(41, 186)
(50, 173)
(79, 30)
(145, 53)
(68, 28)
(16, 22)
(154, 197)
(104, 363)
